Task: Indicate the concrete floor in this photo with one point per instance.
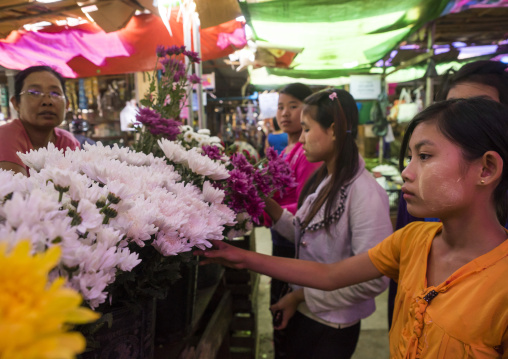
(373, 342)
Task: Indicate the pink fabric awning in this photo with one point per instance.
(86, 50)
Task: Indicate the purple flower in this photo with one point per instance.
(239, 162)
(147, 116)
(173, 50)
(255, 207)
(178, 75)
(193, 56)
(239, 182)
(167, 128)
(195, 79)
(271, 154)
(212, 152)
(263, 182)
(160, 51)
(282, 176)
(164, 62)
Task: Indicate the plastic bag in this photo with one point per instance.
(408, 109)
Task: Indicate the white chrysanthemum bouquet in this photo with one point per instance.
(118, 215)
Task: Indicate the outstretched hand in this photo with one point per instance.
(223, 253)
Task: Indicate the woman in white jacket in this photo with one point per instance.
(342, 212)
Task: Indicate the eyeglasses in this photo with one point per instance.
(36, 94)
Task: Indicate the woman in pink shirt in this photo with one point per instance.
(40, 102)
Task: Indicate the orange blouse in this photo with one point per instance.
(464, 317)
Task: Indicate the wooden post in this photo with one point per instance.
(429, 81)
(198, 69)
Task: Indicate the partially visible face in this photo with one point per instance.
(288, 113)
(472, 89)
(317, 142)
(45, 112)
(438, 180)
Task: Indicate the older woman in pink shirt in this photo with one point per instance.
(40, 102)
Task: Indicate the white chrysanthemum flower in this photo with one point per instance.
(36, 159)
(92, 286)
(204, 131)
(186, 128)
(189, 136)
(30, 210)
(91, 218)
(138, 222)
(227, 214)
(75, 182)
(162, 175)
(200, 138)
(170, 243)
(74, 253)
(60, 230)
(96, 193)
(205, 166)
(137, 158)
(121, 190)
(11, 182)
(97, 170)
(107, 235)
(204, 142)
(173, 151)
(13, 236)
(127, 260)
(211, 194)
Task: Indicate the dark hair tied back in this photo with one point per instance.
(19, 79)
(335, 108)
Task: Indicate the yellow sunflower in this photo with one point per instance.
(36, 316)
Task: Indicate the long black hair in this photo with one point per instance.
(476, 125)
(335, 108)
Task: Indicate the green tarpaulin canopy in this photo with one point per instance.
(338, 37)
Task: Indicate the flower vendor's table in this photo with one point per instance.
(209, 329)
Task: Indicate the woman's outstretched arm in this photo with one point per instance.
(312, 274)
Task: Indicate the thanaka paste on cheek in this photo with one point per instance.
(438, 190)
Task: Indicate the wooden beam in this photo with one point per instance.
(411, 62)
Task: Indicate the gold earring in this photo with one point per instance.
(482, 182)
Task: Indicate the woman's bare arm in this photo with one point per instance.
(10, 166)
(273, 209)
(311, 274)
